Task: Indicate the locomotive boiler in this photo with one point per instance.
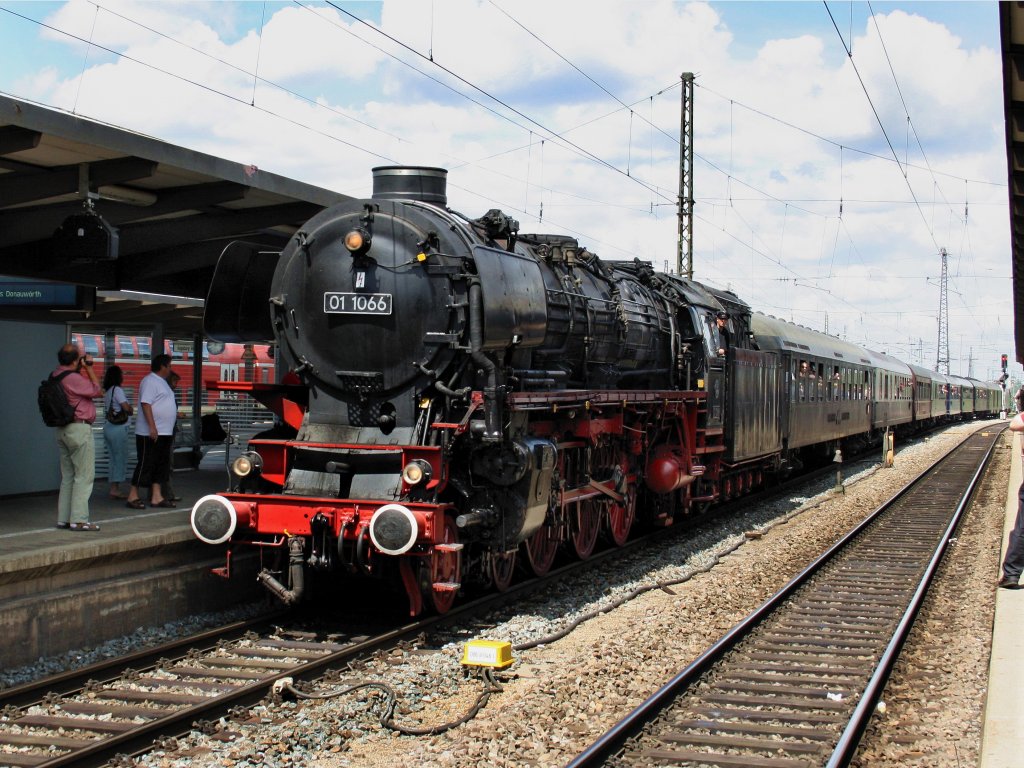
(457, 397)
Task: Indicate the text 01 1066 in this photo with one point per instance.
(357, 303)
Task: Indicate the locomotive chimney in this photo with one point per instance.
(411, 182)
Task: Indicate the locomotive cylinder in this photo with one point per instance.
(666, 471)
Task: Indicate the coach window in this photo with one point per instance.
(91, 346)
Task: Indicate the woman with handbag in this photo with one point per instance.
(115, 429)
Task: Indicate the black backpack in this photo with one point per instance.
(53, 402)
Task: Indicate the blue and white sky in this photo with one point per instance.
(804, 206)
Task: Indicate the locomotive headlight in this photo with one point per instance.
(416, 471)
(246, 464)
(357, 240)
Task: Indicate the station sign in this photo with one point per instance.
(40, 294)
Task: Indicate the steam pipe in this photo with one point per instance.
(492, 432)
(529, 372)
(643, 372)
(444, 389)
(296, 573)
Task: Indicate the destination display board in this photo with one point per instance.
(39, 294)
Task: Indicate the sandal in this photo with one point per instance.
(136, 504)
(119, 496)
(84, 527)
(166, 504)
(63, 526)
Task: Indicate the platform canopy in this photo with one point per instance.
(160, 216)
(1011, 19)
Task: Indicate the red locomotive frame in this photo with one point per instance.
(655, 438)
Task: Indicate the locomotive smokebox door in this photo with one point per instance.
(357, 308)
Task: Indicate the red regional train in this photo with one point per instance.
(133, 354)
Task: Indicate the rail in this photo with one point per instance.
(795, 683)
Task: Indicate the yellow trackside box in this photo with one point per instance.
(496, 654)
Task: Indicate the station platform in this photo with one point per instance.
(63, 589)
(29, 537)
(1002, 741)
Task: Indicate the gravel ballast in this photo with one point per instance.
(559, 697)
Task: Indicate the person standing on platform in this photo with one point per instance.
(154, 435)
(115, 401)
(77, 449)
(172, 382)
(1013, 562)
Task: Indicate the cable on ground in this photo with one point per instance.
(387, 717)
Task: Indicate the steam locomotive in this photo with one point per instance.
(461, 399)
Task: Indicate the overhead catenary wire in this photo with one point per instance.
(259, 50)
(881, 126)
(630, 171)
(906, 110)
(196, 83)
(223, 94)
(552, 134)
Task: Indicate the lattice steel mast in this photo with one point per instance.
(942, 355)
(684, 252)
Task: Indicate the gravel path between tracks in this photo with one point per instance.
(559, 697)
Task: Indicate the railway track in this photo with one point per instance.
(124, 710)
(794, 684)
(124, 706)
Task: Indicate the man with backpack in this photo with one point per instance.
(75, 441)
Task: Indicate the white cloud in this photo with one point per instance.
(772, 195)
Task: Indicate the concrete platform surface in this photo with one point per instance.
(1003, 734)
(63, 590)
(29, 537)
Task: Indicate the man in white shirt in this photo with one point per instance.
(154, 435)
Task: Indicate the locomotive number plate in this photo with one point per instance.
(357, 303)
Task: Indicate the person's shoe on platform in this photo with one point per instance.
(1009, 582)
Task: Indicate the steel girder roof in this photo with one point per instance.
(1011, 22)
(174, 211)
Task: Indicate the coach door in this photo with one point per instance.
(229, 371)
